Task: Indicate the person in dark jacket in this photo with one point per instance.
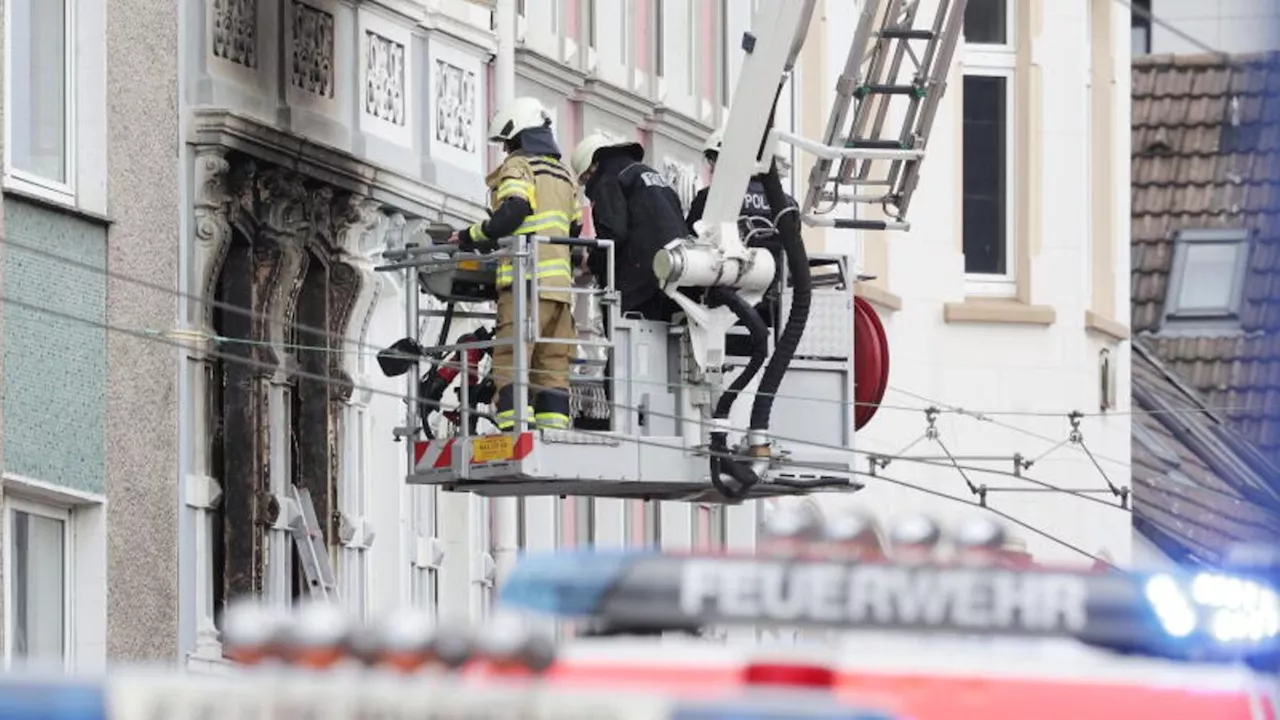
(755, 222)
(636, 208)
(756, 215)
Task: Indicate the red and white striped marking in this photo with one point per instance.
(433, 454)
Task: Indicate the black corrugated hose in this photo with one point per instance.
(742, 475)
(788, 229)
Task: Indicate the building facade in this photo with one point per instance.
(88, 268)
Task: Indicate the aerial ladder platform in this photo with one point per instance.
(649, 422)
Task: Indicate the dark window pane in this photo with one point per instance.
(986, 22)
(1140, 37)
(985, 193)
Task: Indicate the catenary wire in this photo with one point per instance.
(1157, 20)
(440, 405)
(952, 461)
(954, 409)
(250, 362)
(370, 349)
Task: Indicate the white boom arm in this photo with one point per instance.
(882, 65)
(718, 257)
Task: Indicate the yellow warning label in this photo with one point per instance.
(492, 449)
(468, 264)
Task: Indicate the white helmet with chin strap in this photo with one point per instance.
(523, 113)
(713, 142)
(584, 155)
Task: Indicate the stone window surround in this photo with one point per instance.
(371, 189)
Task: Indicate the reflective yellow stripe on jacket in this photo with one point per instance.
(555, 223)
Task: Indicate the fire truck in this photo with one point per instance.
(938, 627)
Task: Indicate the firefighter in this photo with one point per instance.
(531, 192)
(633, 205)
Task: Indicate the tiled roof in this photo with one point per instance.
(1198, 488)
(1206, 154)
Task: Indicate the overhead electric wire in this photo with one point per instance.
(366, 348)
(952, 460)
(1156, 20)
(640, 440)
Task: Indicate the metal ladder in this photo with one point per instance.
(881, 44)
(312, 552)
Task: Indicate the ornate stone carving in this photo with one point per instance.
(455, 106)
(683, 177)
(311, 67)
(234, 31)
(357, 229)
(384, 96)
(281, 202)
(319, 213)
(345, 287)
(355, 219)
(213, 229)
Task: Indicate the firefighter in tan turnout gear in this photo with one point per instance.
(531, 193)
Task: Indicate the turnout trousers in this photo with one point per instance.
(547, 363)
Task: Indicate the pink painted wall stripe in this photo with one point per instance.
(569, 8)
(709, 31)
(640, 28)
(568, 522)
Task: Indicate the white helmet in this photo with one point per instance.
(522, 113)
(713, 142)
(585, 153)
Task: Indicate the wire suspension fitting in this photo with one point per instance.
(1076, 437)
(931, 432)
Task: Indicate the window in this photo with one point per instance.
(987, 148)
(1207, 279)
(37, 607)
(591, 23)
(38, 106)
(1140, 27)
(986, 22)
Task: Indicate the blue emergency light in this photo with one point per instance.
(1203, 616)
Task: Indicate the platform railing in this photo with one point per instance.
(525, 288)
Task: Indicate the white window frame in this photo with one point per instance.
(1002, 284)
(999, 60)
(63, 514)
(30, 183)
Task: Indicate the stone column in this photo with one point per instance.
(203, 492)
(282, 222)
(355, 292)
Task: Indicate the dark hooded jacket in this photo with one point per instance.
(633, 205)
(754, 214)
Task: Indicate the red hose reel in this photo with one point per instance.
(870, 362)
